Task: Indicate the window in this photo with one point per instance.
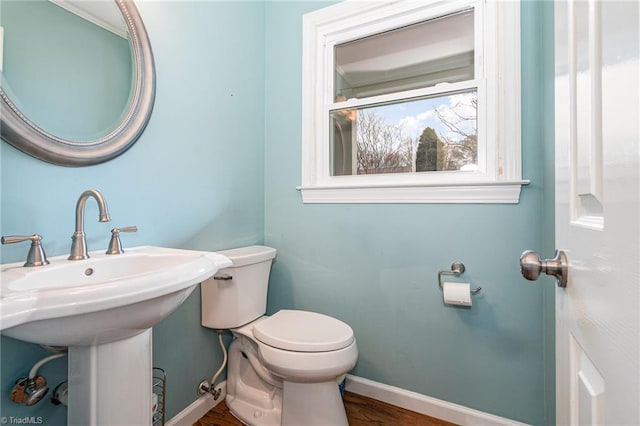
(414, 102)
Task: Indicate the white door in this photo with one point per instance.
(597, 214)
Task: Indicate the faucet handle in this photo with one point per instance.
(126, 229)
(36, 255)
(115, 246)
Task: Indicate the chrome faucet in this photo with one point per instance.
(78, 240)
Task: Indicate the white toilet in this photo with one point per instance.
(284, 368)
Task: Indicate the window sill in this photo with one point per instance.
(496, 192)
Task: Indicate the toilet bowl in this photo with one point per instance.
(283, 368)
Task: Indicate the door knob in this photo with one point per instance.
(531, 266)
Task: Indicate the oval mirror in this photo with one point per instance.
(77, 86)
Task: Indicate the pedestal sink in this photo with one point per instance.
(103, 309)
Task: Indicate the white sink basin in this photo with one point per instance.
(102, 299)
(103, 309)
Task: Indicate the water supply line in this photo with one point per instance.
(30, 390)
(34, 370)
(209, 387)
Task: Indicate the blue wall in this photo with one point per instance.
(217, 167)
(543, 63)
(193, 180)
(375, 266)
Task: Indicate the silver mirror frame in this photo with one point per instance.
(25, 135)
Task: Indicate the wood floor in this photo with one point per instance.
(361, 411)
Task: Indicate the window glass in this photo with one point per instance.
(437, 133)
(416, 56)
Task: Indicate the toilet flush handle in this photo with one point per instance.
(222, 277)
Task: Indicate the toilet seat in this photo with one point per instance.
(303, 331)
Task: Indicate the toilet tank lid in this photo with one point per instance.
(303, 331)
(249, 255)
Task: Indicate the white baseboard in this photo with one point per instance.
(413, 401)
(198, 408)
(423, 404)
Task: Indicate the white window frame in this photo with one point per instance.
(497, 78)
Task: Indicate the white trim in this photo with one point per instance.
(497, 80)
(110, 20)
(508, 110)
(198, 408)
(423, 404)
(1, 46)
(482, 193)
(443, 89)
(413, 401)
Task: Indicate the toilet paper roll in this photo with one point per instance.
(457, 293)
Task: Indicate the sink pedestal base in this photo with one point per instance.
(110, 384)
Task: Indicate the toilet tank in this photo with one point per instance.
(238, 294)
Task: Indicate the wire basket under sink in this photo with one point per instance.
(159, 389)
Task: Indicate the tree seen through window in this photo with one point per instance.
(419, 136)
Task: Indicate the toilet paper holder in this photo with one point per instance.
(457, 269)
